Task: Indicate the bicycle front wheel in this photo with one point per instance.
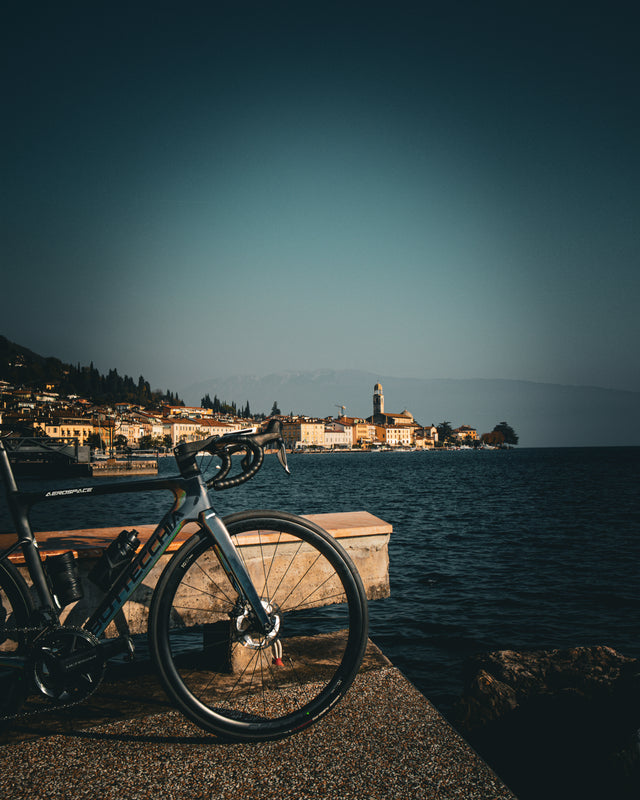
(225, 674)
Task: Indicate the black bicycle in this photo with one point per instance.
(257, 625)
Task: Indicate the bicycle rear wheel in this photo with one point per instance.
(15, 610)
(219, 669)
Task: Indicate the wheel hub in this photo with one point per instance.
(248, 631)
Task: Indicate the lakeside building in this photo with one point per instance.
(133, 429)
(300, 432)
(79, 428)
(337, 435)
(104, 427)
(426, 438)
(363, 433)
(466, 433)
(185, 430)
(186, 411)
(395, 435)
(190, 429)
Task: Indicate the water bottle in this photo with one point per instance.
(114, 560)
(65, 578)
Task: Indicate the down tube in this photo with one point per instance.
(143, 563)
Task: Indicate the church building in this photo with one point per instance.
(380, 417)
(399, 430)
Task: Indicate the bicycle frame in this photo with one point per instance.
(218, 648)
(191, 504)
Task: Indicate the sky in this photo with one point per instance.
(417, 189)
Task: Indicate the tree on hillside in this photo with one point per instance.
(172, 399)
(143, 394)
(510, 436)
(275, 411)
(218, 406)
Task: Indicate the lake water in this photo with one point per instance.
(490, 549)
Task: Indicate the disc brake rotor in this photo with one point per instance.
(248, 633)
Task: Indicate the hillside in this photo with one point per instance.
(22, 367)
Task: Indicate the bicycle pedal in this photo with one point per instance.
(278, 662)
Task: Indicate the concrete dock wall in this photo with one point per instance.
(364, 536)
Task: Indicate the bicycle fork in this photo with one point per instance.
(236, 572)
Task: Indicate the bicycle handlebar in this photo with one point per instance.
(251, 463)
(224, 447)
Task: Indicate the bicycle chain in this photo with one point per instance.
(52, 705)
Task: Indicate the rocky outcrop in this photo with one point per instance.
(500, 682)
(556, 720)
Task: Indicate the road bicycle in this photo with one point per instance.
(257, 625)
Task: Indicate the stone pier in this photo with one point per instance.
(364, 536)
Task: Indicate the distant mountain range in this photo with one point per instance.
(542, 414)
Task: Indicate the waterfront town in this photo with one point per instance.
(121, 427)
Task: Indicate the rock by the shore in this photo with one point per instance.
(556, 722)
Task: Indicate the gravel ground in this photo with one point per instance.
(383, 741)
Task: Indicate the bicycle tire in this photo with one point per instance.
(16, 608)
(225, 677)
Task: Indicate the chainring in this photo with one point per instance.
(57, 684)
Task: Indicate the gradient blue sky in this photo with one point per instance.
(423, 189)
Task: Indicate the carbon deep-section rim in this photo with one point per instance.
(216, 666)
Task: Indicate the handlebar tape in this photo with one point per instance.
(250, 465)
(252, 445)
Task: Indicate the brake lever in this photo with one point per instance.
(281, 454)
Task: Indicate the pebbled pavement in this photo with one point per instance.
(384, 741)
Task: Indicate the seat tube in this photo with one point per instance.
(233, 566)
(19, 512)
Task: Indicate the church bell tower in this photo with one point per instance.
(378, 400)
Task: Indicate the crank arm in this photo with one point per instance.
(108, 648)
